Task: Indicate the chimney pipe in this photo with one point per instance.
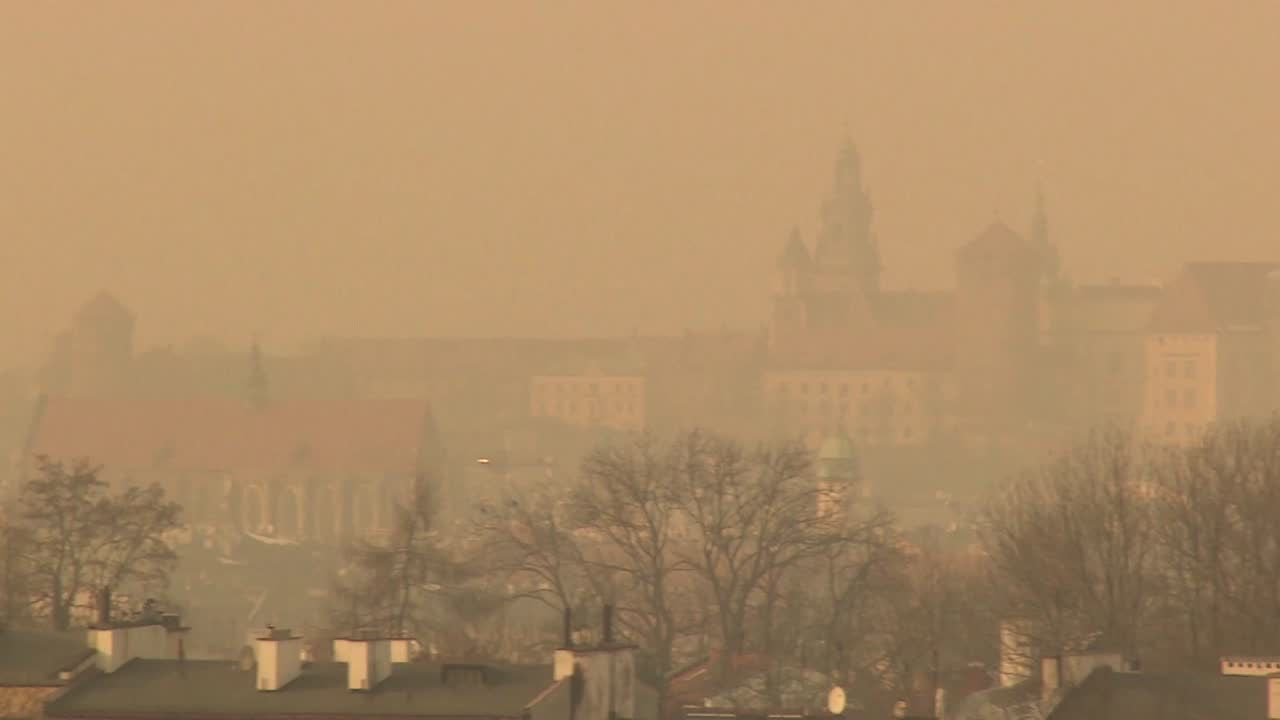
(104, 606)
(608, 624)
(568, 627)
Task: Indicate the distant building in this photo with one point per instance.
(1210, 349)
(320, 470)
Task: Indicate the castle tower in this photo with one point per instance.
(1040, 240)
(791, 287)
(92, 358)
(997, 323)
(846, 245)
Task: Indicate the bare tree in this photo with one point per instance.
(528, 541)
(1217, 504)
(79, 536)
(625, 510)
(1074, 544)
(752, 515)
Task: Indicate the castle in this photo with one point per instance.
(1014, 354)
(1015, 350)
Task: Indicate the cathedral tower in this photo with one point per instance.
(846, 245)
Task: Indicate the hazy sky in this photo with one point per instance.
(485, 168)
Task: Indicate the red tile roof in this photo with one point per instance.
(217, 435)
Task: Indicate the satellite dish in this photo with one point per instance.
(836, 700)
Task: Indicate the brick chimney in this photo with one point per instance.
(607, 674)
(279, 658)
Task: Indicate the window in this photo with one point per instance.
(1170, 429)
(1171, 368)
(1189, 397)
(1189, 368)
(823, 389)
(1171, 398)
(844, 389)
(906, 433)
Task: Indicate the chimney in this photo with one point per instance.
(563, 657)
(279, 658)
(368, 661)
(607, 639)
(403, 649)
(1050, 677)
(1273, 697)
(104, 607)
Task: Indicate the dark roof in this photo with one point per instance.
(1108, 695)
(35, 657)
(998, 239)
(1215, 296)
(156, 688)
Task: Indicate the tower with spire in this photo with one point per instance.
(1039, 237)
(256, 383)
(830, 289)
(846, 244)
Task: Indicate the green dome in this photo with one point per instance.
(836, 457)
(836, 447)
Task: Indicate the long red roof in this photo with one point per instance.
(224, 435)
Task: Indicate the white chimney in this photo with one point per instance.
(403, 650)
(340, 649)
(1273, 698)
(563, 659)
(1015, 652)
(118, 644)
(368, 662)
(279, 656)
(1050, 677)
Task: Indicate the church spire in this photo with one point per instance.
(1040, 237)
(257, 382)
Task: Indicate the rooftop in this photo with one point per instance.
(161, 688)
(36, 657)
(1166, 696)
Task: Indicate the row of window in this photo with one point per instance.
(1173, 367)
(844, 408)
(822, 388)
(1189, 399)
(595, 388)
(569, 407)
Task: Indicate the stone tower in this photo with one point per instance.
(846, 245)
(829, 291)
(93, 357)
(997, 324)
